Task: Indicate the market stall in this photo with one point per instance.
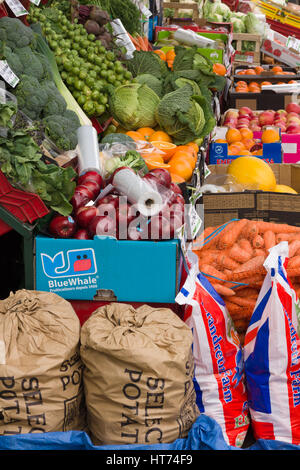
(150, 228)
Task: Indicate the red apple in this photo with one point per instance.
(85, 214)
(266, 118)
(82, 234)
(111, 199)
(102, 225)
(85, 190)
(163, 176)
(244, 110)
(293, 129)
(293, 107)
(293, 119)
(175, 188)
(160, 228)
(78, 200)
(91, 176)
(94, 187)
(62, 226)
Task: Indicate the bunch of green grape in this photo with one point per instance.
(85, 65)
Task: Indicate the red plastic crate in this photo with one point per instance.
(25, 206)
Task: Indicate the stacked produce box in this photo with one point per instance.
(156, 186)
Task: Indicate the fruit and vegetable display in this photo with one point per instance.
(166, 164)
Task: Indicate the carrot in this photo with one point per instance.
(245, 245)
(293, 272)
(211, 271)
(249, 292)
(276, 228)
(243, 302)
(248, 277)
(209, 256)
(252, 264)
(239, 254)
(141, 42)
(204, 242)
(294, 262)
(223, 290)
(229, 238)
(258, 241)
(294, 246)
(259, 252)
(225, 262)
(135, 42)
(280, 237)
(238, 313)
(251, 230)
(269, 239)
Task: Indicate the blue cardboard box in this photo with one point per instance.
(272, 153)
(109, 269)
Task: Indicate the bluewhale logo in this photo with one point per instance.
(74, 263)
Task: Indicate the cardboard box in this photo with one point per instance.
(214, 55)
(241, 56)
(269, 206)
(266, 99)
(276, 45)
(272, 153)
(108, 269)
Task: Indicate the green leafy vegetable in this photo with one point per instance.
(146, 62)
(131, 159)
(185, 116)
(7, 111)
(20, 160)
(134, 106)
(153, 82)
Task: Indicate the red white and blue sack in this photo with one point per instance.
(272, 355)
(219, 369)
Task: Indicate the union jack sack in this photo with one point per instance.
(272, 355)
(219, 369)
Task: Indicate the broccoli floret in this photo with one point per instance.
(31, 96)
(61, 131)
(15, 33)
(31, 62)
(73, 118)
(55, 104)
(13, 61)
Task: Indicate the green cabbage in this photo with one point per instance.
(185, 116)
(134, 105)
(153, 82)
(253, 24)
(238, 25)
(216, 11)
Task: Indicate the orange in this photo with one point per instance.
(170, 55)
(146, 132)
(254, 87)
(258, 153)
(177, 178)
(250, 72)
(188, 148)
(155, 161)
(240, 145)
(160, 136)
(246, 133)
(265, 83)
(233, 135)
(136, 136)
(161, 54)
(248, 143)
(258, 69)
(241, 83)
(219, 69)
(185, 156)
(181, 168)
(241, 72)
(221, 141)
(167, 147)
(276, 69)
(244, 152)
(270, 136)
(292, 81)
(241, 90)
(233, 149)
(194, 146)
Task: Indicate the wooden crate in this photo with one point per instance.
(176, 6)
(246, 58)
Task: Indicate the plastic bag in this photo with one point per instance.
(272, 355)
(219, 374)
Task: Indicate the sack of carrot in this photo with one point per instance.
(232, 257)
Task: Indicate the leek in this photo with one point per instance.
(72, 104)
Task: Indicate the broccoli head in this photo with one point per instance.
(13, 61)
(16, 34)
(55, 104)
(61, 130)
(31, 62)
(31, 96)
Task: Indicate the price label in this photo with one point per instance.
(7, 74)
(16, 7)
(36, 2)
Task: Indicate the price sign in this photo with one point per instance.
(16, 7)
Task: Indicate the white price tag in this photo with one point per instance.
(195, 221)
(16, 7)
(36, 2)
(7, 74)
